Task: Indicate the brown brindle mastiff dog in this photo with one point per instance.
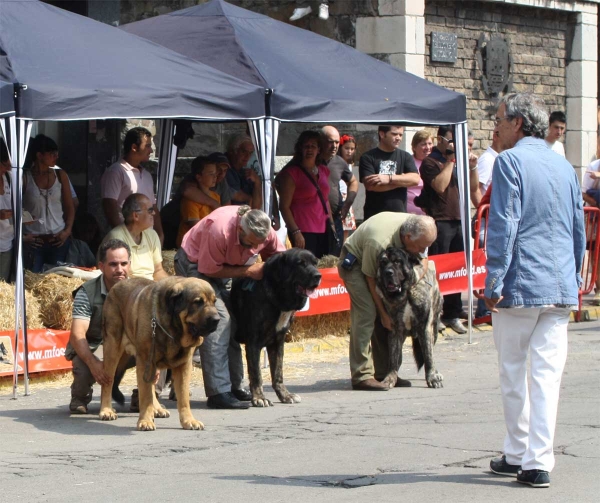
(160, 323)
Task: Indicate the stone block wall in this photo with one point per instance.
(538, 41)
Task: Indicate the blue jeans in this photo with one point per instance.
(35, 258)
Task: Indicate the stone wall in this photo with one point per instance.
(538, 41)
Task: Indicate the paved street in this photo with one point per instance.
(338, 445)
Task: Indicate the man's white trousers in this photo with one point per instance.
(530, 409)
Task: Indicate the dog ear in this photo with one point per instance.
(174, 299)
(273, 269)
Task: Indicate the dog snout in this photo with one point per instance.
(211, 323)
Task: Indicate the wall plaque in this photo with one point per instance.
(495, 61)
(443, 47)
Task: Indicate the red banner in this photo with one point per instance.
(46, 351)
(332, 296)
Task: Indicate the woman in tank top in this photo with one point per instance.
(7, 233)
(47, 196)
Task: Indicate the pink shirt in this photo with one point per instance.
(214, 242)
(412, 192)
(306, 205)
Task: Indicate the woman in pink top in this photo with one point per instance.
(305, 212)
(422, 144)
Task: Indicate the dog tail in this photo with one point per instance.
(418, 353)
(126, 362)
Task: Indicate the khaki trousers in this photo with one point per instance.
(369, 353)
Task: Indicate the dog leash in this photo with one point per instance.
(150, 370)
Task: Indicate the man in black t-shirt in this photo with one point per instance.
(386, 171)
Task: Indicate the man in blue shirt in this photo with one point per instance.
(535, 247)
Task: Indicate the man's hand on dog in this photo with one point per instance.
(386, 321)
(97, 370)
(255, 271)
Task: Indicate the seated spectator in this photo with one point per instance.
(244, 182)
(204, 172)
(421, 144)
(137, 232)
(7, 232)
(556, 130)
(86, 327)
(303, 189)
(47, 197)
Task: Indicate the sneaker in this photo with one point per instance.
(499, 466)
(324, 11)
(300, 12)
(78, 409)
(441, 327)
(534, 478)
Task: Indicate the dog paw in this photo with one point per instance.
(161, 413)
(292, 398)
(145, 425)
(261, 402)
(107, 414)
(192, 424)
(435, 381)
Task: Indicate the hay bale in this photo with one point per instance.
(168, 262)
(327, 261)
(55, 296)
(31, 279)
(320, 326)
(7, 308)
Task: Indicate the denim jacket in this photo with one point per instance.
(536, 235)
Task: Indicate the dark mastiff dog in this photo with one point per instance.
(264, 311)
(160, 323)
(413, 300)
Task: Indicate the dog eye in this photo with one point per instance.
(199, 301)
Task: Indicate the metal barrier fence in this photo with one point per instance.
(589, 270)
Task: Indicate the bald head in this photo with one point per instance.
(330, 142)
(418, 233)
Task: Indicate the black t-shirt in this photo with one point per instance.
(375, 162)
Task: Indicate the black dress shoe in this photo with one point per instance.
(225, 401)
(402, 383)
(242, 394)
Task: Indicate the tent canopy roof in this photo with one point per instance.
(76, 68)
(314, 78)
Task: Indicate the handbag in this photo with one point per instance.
(329, 217)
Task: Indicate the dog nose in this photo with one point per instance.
(211, 323)
(317, 276)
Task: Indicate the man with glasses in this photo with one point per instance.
(128, 176)
(225, 245)
(142, 239)
(535, 248)
(86, 328)
(244, 182)
(440, 200)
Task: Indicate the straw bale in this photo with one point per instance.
(7, 308)
(320, 326)
(168, 262)
(327, 261)
(55, 295)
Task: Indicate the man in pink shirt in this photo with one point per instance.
(226, 245)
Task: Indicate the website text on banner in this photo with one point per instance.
(332, 297)
(46, 351)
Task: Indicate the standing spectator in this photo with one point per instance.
(339, 173)
(386, 172)
(440, 199)
(421, 144)
(244, 182)
(591, 196)
(535, 251)
(303, 196)
(226, 245)
(128, 176)
(347, 150)
(485, 164)
(137, 232)
(204, 172)
(556, 130)
(7, 231)
(47, 197)
(86, 327)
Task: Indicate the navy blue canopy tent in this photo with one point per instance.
(307, 78)
(77, 68)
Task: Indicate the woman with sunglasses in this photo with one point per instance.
(47, 197)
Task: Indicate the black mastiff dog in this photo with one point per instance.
(264, 310)
(412, 298)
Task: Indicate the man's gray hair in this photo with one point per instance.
(417, 226)
(531, 109)
(255, 221)
(131, 205)
(236, 141)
